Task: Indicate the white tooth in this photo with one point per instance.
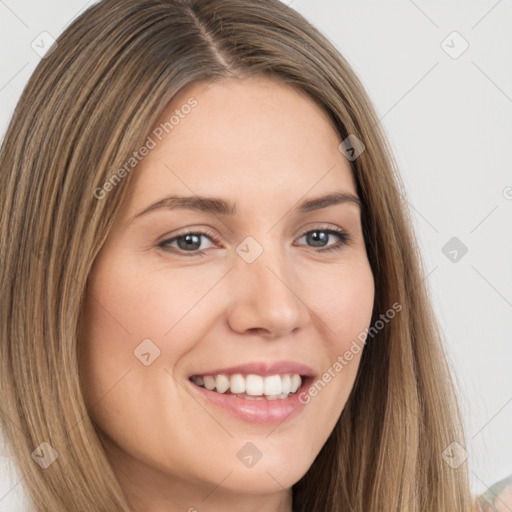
(272, 397)
(272, 385)
(198, 380)
(254, 385)
(209, 382)
(284, 395)
(237, 384)
(222, 383)
(286, 383)
(295, 382)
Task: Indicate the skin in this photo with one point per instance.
(266, 147)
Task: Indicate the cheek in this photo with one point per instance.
(126, 305)
(344, 304)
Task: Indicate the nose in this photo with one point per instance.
(266, 297)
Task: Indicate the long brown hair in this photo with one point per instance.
(89, 104)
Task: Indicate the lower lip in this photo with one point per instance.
(265, 412)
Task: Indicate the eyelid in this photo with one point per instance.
(189, 231)
(344, 238)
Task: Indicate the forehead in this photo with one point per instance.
(250, 138)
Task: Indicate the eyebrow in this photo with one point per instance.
(220, 206)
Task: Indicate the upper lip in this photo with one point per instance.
(262, 368)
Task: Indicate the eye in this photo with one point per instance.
(320, 237)
(189, 243)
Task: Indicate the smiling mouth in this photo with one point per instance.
(252, 386)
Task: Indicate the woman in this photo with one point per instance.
(151, 128)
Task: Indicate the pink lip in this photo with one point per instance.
(262, 368)
(264, 412)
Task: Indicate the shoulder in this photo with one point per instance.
(498, 498)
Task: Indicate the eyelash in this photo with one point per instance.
(344, 239)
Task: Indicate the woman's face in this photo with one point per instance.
(262, 282)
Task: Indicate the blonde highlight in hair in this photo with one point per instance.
(85, 109)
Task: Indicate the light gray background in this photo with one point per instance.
(449, 121)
